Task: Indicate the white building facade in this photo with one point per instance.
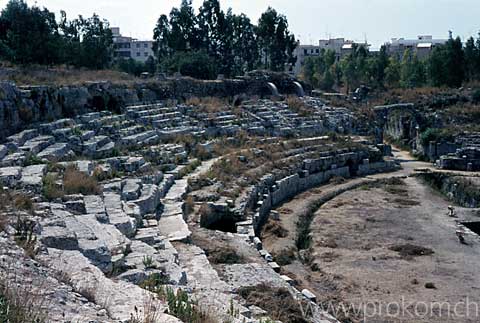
(128, 47)
(340, 46)
(422, 46)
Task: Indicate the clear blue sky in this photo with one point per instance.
(310, 20)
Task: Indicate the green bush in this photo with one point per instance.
(476, 96)
(435, 134)
(195, 64)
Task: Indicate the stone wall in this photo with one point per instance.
(397, 122)
(461, 190)
(23, 106)
(271, 191)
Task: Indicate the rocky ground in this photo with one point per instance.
(165, 212)
(95, 211)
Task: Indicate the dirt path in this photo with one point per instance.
(352, 261)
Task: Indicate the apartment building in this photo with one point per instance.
(128, 47)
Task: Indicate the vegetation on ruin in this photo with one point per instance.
(252, 159)
(299, 106)
(74, 182)
(19, 305)
(189, 168)
(13, 202)
(223, 255)
(179, 303)
(25, 235)
(278, 302)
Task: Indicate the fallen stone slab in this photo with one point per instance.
(56, 152)
(131, 189)
(94, 204)
(15, 159)
(174, 228)
(149, 199)
(122, 299)
(32, 176)
(9, 176)
(59, 238)
(116, 215)
(3, 151)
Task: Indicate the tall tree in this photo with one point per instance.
(245, 47)
(454, 64)
(29, 34)
(161, 38)
(392, 72)
(211, 25)
(379, 66)
(412, 71)
(276, 42)
(446, 65)
(184, 32)
(97, 42)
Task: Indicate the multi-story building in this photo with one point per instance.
(340, 46)
(301, 53)
(128, 47)
(422, 46)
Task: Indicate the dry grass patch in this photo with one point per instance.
(409, 250)
(210, 105)
(224, 255)
(299, 106)
(20, 302)
(278, 302)
(275, 228)
(59, 75)
(285, 256)
(76, 182)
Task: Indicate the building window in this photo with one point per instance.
(305, 52)
(138, 54)
(145, 54)
(317, 51)
(145, 45)
(138, 45)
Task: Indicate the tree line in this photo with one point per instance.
(30, 35)
(213, 42)
(450, 64)
(201, 44)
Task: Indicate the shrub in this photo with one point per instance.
(148, 262)
(278, 302)
(297, 105)
(3, 221)
(285, 256)
(51, 190)
(25, 235)
(76, 182)
(275, 228)
(18, 304)
(32, 160)
(435, 134)
(196, 64)
(189, 205)
(154, 282)
(476, 96)
(180, 306)
(224, 255)
(23, 202)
